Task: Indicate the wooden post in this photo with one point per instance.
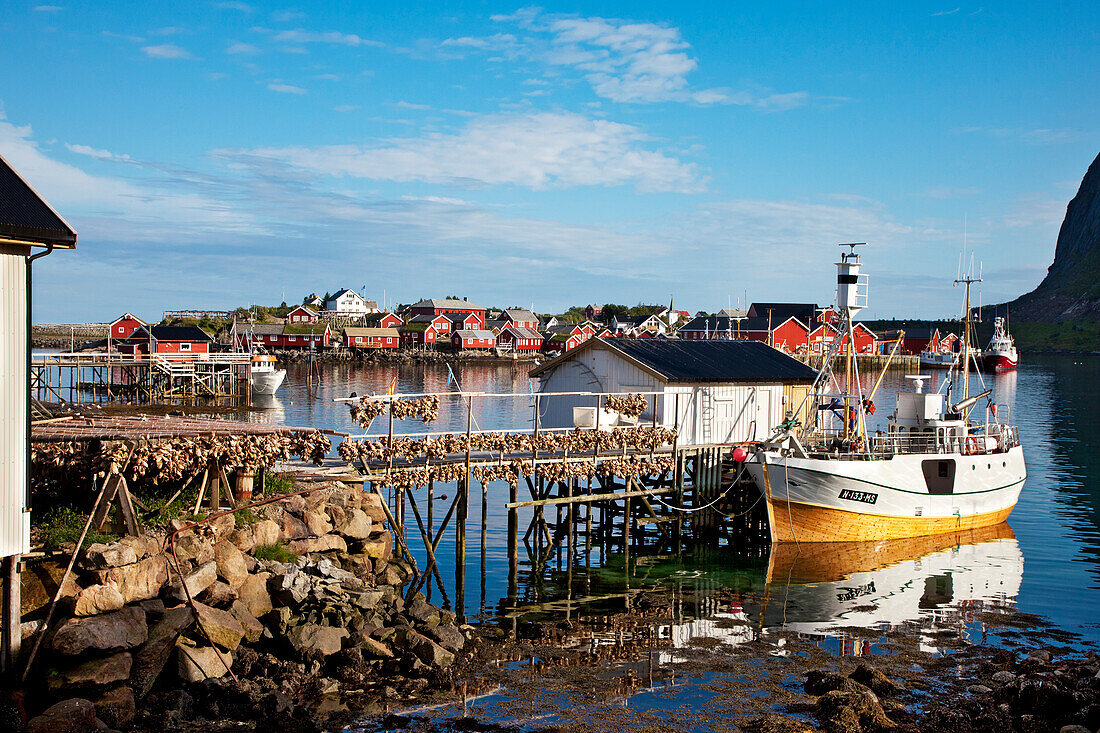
(626, 540)
(460, 527)
(10, 636)
(431, 524)
(513, 539)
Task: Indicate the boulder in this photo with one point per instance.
(427, 651)
(242, 539)
(446, 636)
(140, 581)
(253, 629)
(221, 526)
(190, 547)
(97, 599)
(374, 648)
(311, 638)
(98, 672)
(838, 709)
(143, 545)
(230, 562)
(253, 594)
(116, 707)
(219, 594)
(879, 683)
(317, 522)
(291, 528)
(379, 547)
(99, 555)
(356, 525)
(195, 664)
(390, 576)
(325, 543)
(1003, 677)
(291, 587)
(371, 503)
(68, 716)
(220, 626)
(151, 657)
(109, 632)
(265, 532)
(423, 612)
(820, 682)
(196, 581)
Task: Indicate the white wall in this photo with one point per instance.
(14, 392)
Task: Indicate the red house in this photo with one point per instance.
(441, 323)
(356, 337)
(381, 320)
(520, 339)
(464, 322)
(442, 306)
(519, 318)
(562, 342)
(824, 336)
(473, 339)
(125, 325)
(180, 340)
(420, 334)
(593, 312)
(302, 314)
(918, 339)
(287, 336)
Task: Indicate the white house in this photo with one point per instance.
(713, 391)
(347, 303)
(634, 325)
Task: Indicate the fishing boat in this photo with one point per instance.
(937, 359)
(1000, 355)
(941, 464)
(265, 378)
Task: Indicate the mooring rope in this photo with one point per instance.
(692, 510)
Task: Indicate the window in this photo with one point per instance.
(358, 339)
(185, 346)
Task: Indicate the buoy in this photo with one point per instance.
(739, 454)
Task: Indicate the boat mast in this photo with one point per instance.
(966, 280)
(850, 300)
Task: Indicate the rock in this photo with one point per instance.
(291, 588)
(196, 664)
(139, 581)
(153, 607)
(231, 564)
(196, 581)
(278, 619)
(447, 637)
(356, 524)
(143, 545)
(390, 576)
(68, 716)
(222, 526)
(379, 547)
(423, 612)
(1040, 655)
(116, 707)
(979, 690)
(310, 638)
(97, 599)
(317, 523)
(219, 626)
(253, 594)
(242, 539)
(190, 547)
(374, 648)
(1073, 729)
(428, 651)
(291, 528)
(326, 543)
(369, 599)
(110, 632)
(1003, 677)
(775, 723)
(372, 504)
(846, 711)
(879, 683)
(97, 672)
(265, 532)
(820, 682)
(151, 657)
(218, 594)
(99, 555)
(253, 629)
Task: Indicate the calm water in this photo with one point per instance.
(1048, 563)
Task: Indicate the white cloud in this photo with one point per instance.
(97, 154)
(285, 16)
(238, 48)
(276, 86)
(48, 8)
(333, 37)
(166, 51)
(539, 151)
(945, 12)
(409, 105)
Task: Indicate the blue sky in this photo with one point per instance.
(218, 153)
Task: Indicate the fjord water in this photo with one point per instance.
(1054, 399)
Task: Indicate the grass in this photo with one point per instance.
(277, 552)
(64, 524)
(278, 483)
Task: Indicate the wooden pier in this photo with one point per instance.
(108, 377)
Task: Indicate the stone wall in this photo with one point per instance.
(127, 638)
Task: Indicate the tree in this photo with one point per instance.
(610, 310)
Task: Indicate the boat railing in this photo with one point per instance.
(985, 439)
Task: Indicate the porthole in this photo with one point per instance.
(1004, 464)
(974, 467)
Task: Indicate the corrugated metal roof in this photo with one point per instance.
(368, 331)
(180, 333)
(524, 333)
(679, 361)
(446, 303)
(469, 334)
(25, 216)
(805, 312)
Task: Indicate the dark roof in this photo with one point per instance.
(180, 333)
(456, 318)
(920, 332)
(376, 317)
(805, 312)
(676, 360)
(25, 216)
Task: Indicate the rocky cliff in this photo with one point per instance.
(1071, 289)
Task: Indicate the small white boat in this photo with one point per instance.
(937, 359)
(265, 378)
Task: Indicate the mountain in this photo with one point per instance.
(1071, 289)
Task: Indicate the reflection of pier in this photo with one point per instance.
(109, 377)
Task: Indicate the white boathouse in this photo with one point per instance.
(723, 391)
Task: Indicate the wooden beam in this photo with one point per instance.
(587, 497)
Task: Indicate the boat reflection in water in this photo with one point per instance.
(845, 595)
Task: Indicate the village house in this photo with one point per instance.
(421, 334)
(520, 318)
(370, 337)
(917, 339)
(806, 313)
(713, 391)
(442, 306)
(181, 340)
(381, 320)
(824, 336)
(347, 303)
(123, 326)
(463, 321)
(520, 339)
(315, 302)
(287, 336)
(302, 314)
(638, 325)
(547, 322)
(473, 339)
(789, 334)
(441, 323)
(593, 312)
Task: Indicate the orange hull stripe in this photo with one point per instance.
(806, 523)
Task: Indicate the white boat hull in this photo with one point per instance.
(826, 500)
(267, 382)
